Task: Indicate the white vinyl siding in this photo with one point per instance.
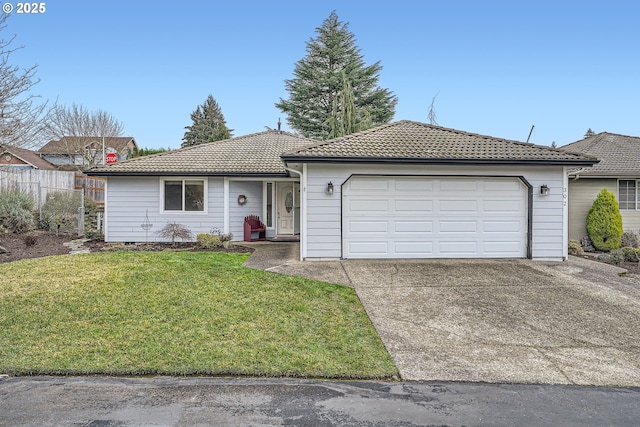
(252, 190)
(323, 239)
(128, 200)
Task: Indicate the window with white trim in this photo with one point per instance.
(183, 195)
(628, 194)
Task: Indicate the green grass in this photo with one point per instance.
(180, 313)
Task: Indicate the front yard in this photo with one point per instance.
(180, 313)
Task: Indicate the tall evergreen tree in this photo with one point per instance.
(333, 92)
(208, 125)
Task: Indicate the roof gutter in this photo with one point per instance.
(444, 161)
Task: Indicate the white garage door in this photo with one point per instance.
(427, 217)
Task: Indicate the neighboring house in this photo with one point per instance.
(618, 171)
(74, 152)
(402, 190)
(15, 157)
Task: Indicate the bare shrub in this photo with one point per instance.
(173, 231)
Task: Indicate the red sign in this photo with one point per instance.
(111, 158)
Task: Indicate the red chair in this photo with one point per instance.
(252, 224)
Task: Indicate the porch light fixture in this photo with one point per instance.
(544, 190)
(330, 187)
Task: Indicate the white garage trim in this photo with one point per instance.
(435, 217)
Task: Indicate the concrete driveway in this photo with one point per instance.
(499, 321)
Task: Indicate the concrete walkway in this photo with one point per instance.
(503, 321)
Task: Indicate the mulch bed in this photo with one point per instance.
(37, 244)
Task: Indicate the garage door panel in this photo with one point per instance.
(370, 247)
(450, 206)
(457, 226)
(414, 249)
(412, 184)
(413, 226)
(453, 248)
(368, 185)
(369, 205)
(502, 186)
(502, 205)
(502, 227)
(369, 226)
(498, 249)
(458, 185)
(427, 217)
(413, 205)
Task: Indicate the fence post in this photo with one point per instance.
(39, 203)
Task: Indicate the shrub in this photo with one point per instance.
(173, 231)
(16, 211)
(630, 254)
(616, 256)
(60, 211)
(587, 244)
(575, 248)
(630, 238)
(29, 240)
(208, 241)
(604, 222)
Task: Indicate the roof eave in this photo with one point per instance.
(425, 161)
(185, 173)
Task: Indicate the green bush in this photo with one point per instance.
(616, 256)
(16, 211)
(575, 248)
(630, 254)
(60, 211)
(208, 241)
(604, 222)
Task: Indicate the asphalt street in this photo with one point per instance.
(162, 401)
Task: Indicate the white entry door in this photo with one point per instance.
(286, 207)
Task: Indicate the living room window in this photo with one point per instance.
(183, 195)
(628, 194)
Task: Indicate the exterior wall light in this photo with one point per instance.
(330, 187)
(544, 190)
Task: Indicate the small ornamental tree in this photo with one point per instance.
(604, 222)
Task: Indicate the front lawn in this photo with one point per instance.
(180, 313)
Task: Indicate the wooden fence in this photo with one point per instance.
(39, 183)
(93, 187)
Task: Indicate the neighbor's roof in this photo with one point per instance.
(29, 157)
(619, 154)
(254, 154)
(76, 144)
(413, 142)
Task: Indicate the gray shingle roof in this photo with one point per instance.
(619, 154)
(414, 142)
(254, 154)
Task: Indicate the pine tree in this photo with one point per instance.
(589, 133)
(208, 125)
(333, 92)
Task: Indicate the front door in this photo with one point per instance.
(288, 207)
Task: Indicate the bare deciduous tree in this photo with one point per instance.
(22, 118)
(80, 132)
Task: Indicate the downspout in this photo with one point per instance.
(303, 208)
(575, 174)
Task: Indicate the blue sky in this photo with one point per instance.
(498, 67)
